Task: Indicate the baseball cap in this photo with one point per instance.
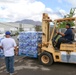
(7, 33)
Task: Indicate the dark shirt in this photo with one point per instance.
(73, 36)
(68, 34)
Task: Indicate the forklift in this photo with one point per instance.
(48, 54)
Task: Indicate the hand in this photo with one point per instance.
(16, 50)
(57, 32)
(16, 53)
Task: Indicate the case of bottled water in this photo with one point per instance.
(1, 51)
(28, 43)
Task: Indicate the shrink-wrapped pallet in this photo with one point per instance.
(28, 43)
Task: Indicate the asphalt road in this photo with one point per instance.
(30, 66)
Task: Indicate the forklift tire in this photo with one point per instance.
(46, 59)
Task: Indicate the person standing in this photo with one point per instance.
(8, 44)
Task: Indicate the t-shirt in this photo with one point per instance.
(68, 34)
(8, 45)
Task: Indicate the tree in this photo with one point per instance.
(70, 15)
(38, 28)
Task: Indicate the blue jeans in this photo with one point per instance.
(9, 64)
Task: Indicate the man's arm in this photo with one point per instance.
(15, 47)
(1, 47)
(62, 34)
(16, 50)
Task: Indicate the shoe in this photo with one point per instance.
(56, 48)
(7, 72)
(13, 73)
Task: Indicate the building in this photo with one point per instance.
(16, 26)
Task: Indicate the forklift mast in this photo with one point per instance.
(46, 28)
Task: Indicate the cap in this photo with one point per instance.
(7, 33)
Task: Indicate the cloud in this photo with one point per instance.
(62, 12)
(8, 1)
(72, 2)
(14, 10)
(60, 1)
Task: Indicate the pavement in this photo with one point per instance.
(31, 66)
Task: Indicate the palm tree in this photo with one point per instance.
(72, 13)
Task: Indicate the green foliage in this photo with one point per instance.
(17, 33)
(70, 15)
(63, 24)
(38, 28)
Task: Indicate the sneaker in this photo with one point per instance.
(13, 73)
(7, 72)
(56, 48)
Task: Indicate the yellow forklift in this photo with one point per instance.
(48, 53)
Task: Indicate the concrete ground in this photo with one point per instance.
(30, 66)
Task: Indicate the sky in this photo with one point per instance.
(16, 10)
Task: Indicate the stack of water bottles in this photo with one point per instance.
(28, 43)
(1, 51)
